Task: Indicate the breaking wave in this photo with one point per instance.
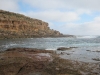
(87, 36)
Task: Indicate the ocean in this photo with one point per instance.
(88, 47)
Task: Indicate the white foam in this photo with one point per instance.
(87, 36)
(50, 49)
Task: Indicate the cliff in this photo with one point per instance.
(14, 25)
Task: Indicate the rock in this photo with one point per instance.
(96, 51)
(64, 48)
(28, 61)
(62, 53)
(22, 61)
(73, 47)
(96, 59)
(88, 50)
(68, 53)
(13, 25)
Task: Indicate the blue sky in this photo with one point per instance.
(77, 17)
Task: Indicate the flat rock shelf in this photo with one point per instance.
(30, 61)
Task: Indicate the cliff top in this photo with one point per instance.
(6, 15)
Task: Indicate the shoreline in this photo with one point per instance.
(22, 61)
(68, 36)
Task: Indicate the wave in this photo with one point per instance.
(87, 36)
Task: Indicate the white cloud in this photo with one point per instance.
(94, 26)
(87, 28)
(9, 5)
(46, 4)
(57, 16)
(65, 4)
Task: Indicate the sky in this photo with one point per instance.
(75, 17)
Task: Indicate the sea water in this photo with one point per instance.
(85, 51)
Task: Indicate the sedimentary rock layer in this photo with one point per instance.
(13, 25)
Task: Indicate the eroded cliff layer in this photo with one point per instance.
(13, 25)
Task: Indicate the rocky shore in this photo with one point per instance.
(28, 61)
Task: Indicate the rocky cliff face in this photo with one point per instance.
(13, 25)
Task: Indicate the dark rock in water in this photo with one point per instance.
(88, 50)
(96, 51)
(96, 59)
(68, 53)
(62, 53)
(73, 47)
(64, 48)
